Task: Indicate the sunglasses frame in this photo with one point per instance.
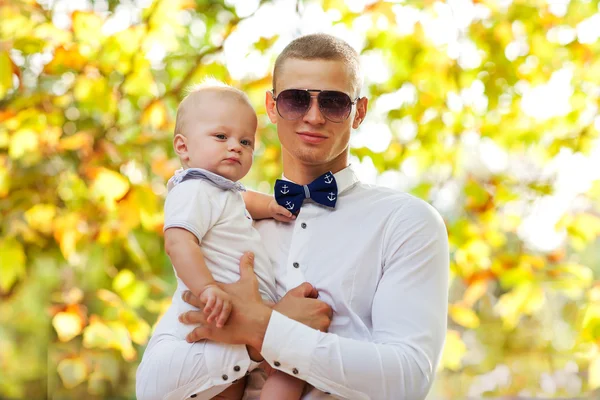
(318, 91)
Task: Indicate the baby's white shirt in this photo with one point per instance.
(218, 218)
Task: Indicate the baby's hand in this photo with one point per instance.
(280, 213)
(217, 304)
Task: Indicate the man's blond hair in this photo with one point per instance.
(321, 46)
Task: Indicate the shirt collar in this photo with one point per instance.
(198, 173)
(345, 179)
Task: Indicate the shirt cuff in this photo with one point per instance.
(226, 363)
(289, 345)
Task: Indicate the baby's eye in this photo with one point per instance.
(220, 136)
(246, 142)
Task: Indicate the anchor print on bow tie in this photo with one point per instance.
(322, 190)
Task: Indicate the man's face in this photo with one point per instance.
(312, 140)
(219, 137)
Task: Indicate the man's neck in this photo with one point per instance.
(303, 174)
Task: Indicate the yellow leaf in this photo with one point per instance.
(12, 260)
(463, 316)
(40, 217)
(67, 233)
(123, 279)
(454, 350)
(474, 292)
(109, 297)
(112, 335)
(87, 27)
(594, 373)
(23, 142)
(6, 73)
(4, 181)
(137, 327)
(72, 372)
(78, 141)
(67, 325)
(109, 185)
(97, 334)
(524, 299)
(132, 291)
(65, 58)
(155, 115)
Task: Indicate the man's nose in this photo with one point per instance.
(314, 115)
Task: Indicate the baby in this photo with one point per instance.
(207, 230)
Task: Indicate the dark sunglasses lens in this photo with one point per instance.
(293, 103)
(335, 106)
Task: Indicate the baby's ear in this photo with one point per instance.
(180, 146)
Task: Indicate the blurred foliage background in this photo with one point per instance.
(488, 109)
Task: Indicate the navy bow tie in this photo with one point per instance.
(322, 190)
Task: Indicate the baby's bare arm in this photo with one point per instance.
(262, 206)
(257, 204)
(188, 260)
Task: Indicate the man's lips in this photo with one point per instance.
(311, 137)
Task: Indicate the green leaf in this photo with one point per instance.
(12, 260)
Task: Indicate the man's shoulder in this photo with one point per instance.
(385, 195)
(401, 207)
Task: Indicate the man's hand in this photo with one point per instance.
(218, 304)
(301, 304)
(280, 213)
(249, 316)
(248, 319)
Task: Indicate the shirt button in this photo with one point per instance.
(303, 225)
(295, 371)
(225, 377)
(236, 368)
(296, 265)
(277, 363)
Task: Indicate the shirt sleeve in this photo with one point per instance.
(189, 206)
(409, 316)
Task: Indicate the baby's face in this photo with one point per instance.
(220, 136)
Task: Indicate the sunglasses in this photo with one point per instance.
(294, 103)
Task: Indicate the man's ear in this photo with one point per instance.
(270, 106)
(361, 112)
(180, 146)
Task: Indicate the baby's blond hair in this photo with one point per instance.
(194, 94)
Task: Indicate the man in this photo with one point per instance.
(379, 259)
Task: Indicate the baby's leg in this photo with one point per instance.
(281, 386)
(233, 392)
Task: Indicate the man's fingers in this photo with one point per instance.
(199, 333)
(189, 298)
(193, 317)
(247, 266)
(305, 290)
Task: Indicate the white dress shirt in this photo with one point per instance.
(381, 260)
